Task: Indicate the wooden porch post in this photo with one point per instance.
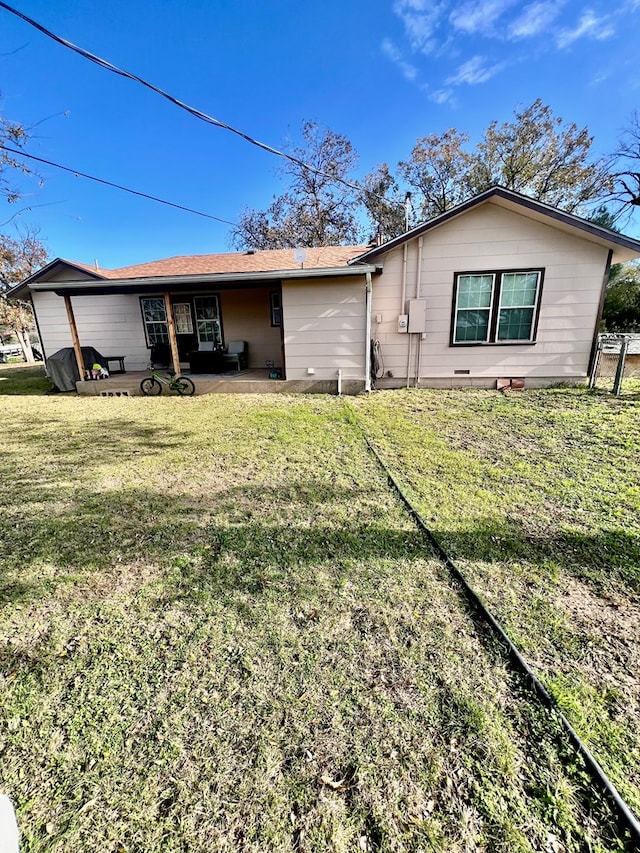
(173, 343)
(74, 336)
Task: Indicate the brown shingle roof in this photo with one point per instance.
(270, 260)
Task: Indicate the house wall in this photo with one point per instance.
(246, 316)
(112, 324)
(487, 238)
(324, 328)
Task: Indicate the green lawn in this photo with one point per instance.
(221, 631)
(22, 379)
(537, 498)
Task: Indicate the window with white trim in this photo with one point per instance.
(154, 317)
(182, 318)
(208, 324)
(496, 307)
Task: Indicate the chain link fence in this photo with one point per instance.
(617, 359)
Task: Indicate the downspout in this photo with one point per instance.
(403, 305)
(404, 278)
(367, 334)
(418, 274)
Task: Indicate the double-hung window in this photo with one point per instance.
(208, 320)
(154, 316)
(496, 307)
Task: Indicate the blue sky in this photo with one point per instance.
(381, 72)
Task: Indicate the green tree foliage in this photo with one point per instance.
(537, 154)
(437, 172)
(316, 210)
(19, 258)
(621, 311)
(540, 156)
(384, 203)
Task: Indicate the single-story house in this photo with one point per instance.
(501, 286)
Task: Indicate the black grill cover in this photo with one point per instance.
(62, 368)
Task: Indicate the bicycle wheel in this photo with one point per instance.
(184, 386)
(150, 387)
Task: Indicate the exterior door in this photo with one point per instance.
(185, 330)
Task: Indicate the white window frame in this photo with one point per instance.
(489, 308)
(182, 318)
(151, 326)
(534, 306)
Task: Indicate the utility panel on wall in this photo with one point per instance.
(417, 315)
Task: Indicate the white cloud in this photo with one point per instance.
(589, 26)
(442, 96)
(421, 19)
(534, 19)
(409, 71)
(473, 71)
(479, 15)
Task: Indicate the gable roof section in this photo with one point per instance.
(625, 248)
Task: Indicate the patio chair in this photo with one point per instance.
(236, 354)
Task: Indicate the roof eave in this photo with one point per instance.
(604, 235)
(26, 284)
(167, 281)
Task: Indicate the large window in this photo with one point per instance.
(154, 316)
(208, 320)
(496, 307)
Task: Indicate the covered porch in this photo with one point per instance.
(250, 381)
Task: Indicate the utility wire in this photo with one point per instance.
(117, 186)
(108, 66)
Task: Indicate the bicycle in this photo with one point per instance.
(151, 386)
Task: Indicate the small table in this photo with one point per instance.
(119, 358)
(206, 361)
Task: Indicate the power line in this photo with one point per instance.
(108, 66)
(117, 186)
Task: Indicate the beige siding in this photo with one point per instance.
(324, 328)
(112, 324)
(246, 316)
(485, 238)
(70, 274)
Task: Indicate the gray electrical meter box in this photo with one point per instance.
(417, 315)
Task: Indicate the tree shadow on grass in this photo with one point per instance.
(75, 453)
(244, 538)
(601, 558)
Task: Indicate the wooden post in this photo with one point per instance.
(617, 382)
(74, 336)
(173, 343)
